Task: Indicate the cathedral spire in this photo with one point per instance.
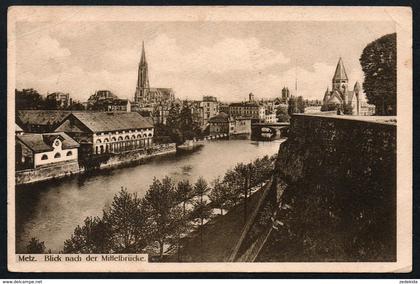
(143, 54)
(142, 87)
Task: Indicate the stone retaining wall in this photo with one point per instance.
(58, 170)
(337, 177)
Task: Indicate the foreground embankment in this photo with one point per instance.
(334, 194)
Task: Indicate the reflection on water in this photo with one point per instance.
(51, 211)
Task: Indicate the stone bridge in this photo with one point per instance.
(269, 131)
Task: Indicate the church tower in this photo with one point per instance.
(142, 87)
(340, 80)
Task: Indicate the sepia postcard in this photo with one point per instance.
(209, 139)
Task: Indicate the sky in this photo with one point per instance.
(224, 59)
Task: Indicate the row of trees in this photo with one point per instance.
(168, 210)
(28, 99)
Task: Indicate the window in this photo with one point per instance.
(69, 153)
(44, 157)
(57, 155)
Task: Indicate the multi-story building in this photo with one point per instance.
(108, 132)
(35, 150)
(105, 100)
(366, 108)
(63, 100)
(101, 95)
(223, 107)
(270, 117)
(251, 110)
(210, 107)
(222, 123)
(242, 125)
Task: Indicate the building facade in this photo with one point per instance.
(34, 150)
(270, 117)
(63, 100)
(222, 123)
(110, 132)
(250, 110)
(210, 108)
(145, 95)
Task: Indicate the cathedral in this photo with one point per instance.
(146, 96)
(340, 98)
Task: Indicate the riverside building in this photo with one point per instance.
(109, 132)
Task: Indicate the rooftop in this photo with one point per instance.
(43, 142)
(111, 121)
(221, 117)
(40, 117)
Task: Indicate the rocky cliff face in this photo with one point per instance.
(337, 180)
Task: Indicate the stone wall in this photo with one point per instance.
(58, 170)
(336, 187)
(138, 156)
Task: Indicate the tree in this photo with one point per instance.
(172, 121)
(265, 167)
(76, 106)
(244, 173)
(232, 181)
(201, 211)
(28, 99)
(292, 106)
(282, 114)
(51, 104)
(35, 246)
(220, 195)
(201, 188)
(378, 61)
(93, 237)
(184, 193)
(186, 123)
(162, 210)
(127, 222)
(300, 105)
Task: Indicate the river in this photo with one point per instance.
(51, 211)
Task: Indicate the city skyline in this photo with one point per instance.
(227, 61)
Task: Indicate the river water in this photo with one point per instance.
(51, 211)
